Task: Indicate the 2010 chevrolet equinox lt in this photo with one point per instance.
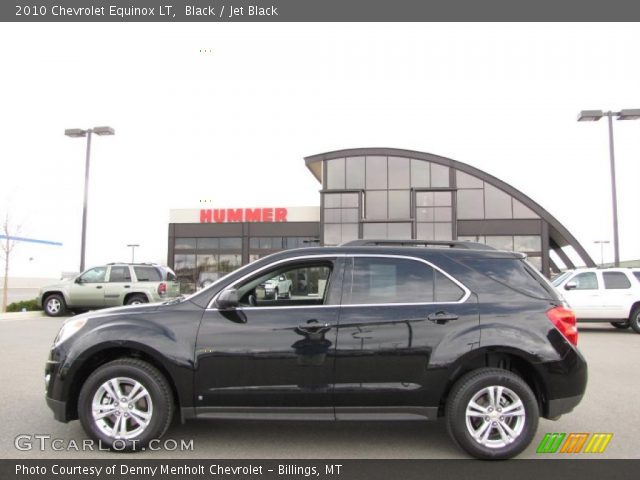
(388, 331)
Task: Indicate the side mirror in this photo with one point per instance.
(572, 285)
(79, 280)
(228, 299)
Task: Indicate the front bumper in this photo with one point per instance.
(59, 409)
(53, 392)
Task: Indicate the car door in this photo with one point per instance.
(274, 354)
(584, 295)
(118, 285)
(396, 311)
(617, 295)
(87, 290)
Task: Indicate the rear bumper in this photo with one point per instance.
(560, 406)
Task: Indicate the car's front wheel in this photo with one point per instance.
(492, 413)
(54, 305)
(125, 404)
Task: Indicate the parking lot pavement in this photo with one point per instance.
(608, 407)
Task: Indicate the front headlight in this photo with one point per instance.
(69, 328)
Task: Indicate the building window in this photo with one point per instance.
(383, 230)
(341, 217)
(479, 200)
(185, 244)
(335, 174)
(376, 173)
(355, 173)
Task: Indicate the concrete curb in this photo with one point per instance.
(20, 315)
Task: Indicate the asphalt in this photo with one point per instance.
(610, 406)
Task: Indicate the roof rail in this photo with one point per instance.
(417, 243)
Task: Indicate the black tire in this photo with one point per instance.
(634, 319)
(136, 299)
(54, 305)
(160, 404)
(621, 325)
(472, 385)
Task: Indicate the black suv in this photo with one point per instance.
(390, 331)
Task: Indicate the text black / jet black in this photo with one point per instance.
(390, 331)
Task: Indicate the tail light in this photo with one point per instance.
(162, 288)
(565, 321)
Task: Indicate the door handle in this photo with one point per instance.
(127, 286)
(313, 326)
(441, 317)
(99, 287)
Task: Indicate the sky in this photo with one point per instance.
(227, 112)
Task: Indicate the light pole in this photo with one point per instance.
(602, 243)
(594, 116)
(133, 251)
(77, 133)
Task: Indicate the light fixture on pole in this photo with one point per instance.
(594, 116)
(78, 133)
(133, 251)
(602, 243)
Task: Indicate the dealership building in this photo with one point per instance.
(377, 193)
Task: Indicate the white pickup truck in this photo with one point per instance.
(603, 295)
(277, 287)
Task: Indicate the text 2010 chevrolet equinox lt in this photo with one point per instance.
(471, 334)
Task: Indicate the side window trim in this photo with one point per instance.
(350, 270)
(334, 259)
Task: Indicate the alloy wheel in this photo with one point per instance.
(122, 408)
(495, 417)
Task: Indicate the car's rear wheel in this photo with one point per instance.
(620, 325)
(125, 404)
(634, 319)
(136, 300)
(492, 413)
(54, 305)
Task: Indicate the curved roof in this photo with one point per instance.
(558, 234)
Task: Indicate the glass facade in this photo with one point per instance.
(479, 200)
(200, 261)
(398, 197)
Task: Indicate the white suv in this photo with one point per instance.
(603, 294)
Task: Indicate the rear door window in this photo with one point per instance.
(615, 281)
(119, 274)
(397, 280)
(147, 274)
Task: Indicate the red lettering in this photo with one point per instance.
(281, 215)
(267, 214)
(252, 215)
(234, 215)
(205, 216)
(219, 215)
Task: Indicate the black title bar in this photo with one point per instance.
(316, 10)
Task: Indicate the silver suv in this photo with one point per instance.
(110, 285)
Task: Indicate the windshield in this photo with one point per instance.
(559, 279)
